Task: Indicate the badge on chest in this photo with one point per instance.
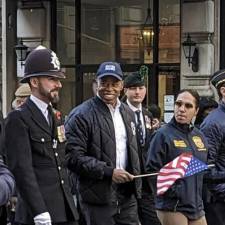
(199, 143)
(61, 133)
(179, 144)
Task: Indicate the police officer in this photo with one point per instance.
(35, 147)
(135, 91)
(214, 129)
(182, 203)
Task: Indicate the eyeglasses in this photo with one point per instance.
(186, 104)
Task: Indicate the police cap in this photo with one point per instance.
(42, 62)
(218, 78)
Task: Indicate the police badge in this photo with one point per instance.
(199, 143)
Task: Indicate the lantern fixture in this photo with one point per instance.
(147, 33)
(191, 53)
(21, 51)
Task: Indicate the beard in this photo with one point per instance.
(51, 95)
(54, 96)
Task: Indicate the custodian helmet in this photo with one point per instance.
(42, 62)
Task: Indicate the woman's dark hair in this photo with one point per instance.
(194, 93)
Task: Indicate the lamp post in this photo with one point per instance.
(21, 51)
(147, 33)
(191, 53)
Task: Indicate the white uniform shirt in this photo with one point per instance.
(41, 105)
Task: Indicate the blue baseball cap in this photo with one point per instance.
(110, 69)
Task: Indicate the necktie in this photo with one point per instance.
(50, 117)
(140, 135)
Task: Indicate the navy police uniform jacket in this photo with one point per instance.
(168, 142)
(213, 128)
(36, 158)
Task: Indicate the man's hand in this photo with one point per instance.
(121, 176)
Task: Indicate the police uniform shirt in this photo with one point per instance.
(41, 105)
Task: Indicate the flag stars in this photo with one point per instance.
(187, 165)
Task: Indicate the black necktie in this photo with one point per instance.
(140, 135)
(50, 117)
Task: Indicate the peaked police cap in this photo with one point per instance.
(218, 78)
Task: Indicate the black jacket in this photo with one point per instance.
(168, 142)
(148, 134)
(39, 169)
(91, 149)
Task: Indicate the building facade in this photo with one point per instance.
(85, 33)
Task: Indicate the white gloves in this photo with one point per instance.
(43, 219)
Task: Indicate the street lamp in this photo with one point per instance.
(191, 53)
(21, 51)
(147, 33)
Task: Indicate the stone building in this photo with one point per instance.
(84, 33)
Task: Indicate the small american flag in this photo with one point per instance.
(182, 166)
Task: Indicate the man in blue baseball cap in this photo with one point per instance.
(102, 152)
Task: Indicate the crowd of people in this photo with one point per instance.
(88, 169)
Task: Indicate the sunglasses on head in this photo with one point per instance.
(186, 104)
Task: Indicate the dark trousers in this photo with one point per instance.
(146, 210)
(122, 211)
(3, 215)
(215, 213)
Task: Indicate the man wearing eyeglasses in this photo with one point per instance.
(214, 129)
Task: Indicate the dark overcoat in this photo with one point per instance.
(148, 133)
(36, 158)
